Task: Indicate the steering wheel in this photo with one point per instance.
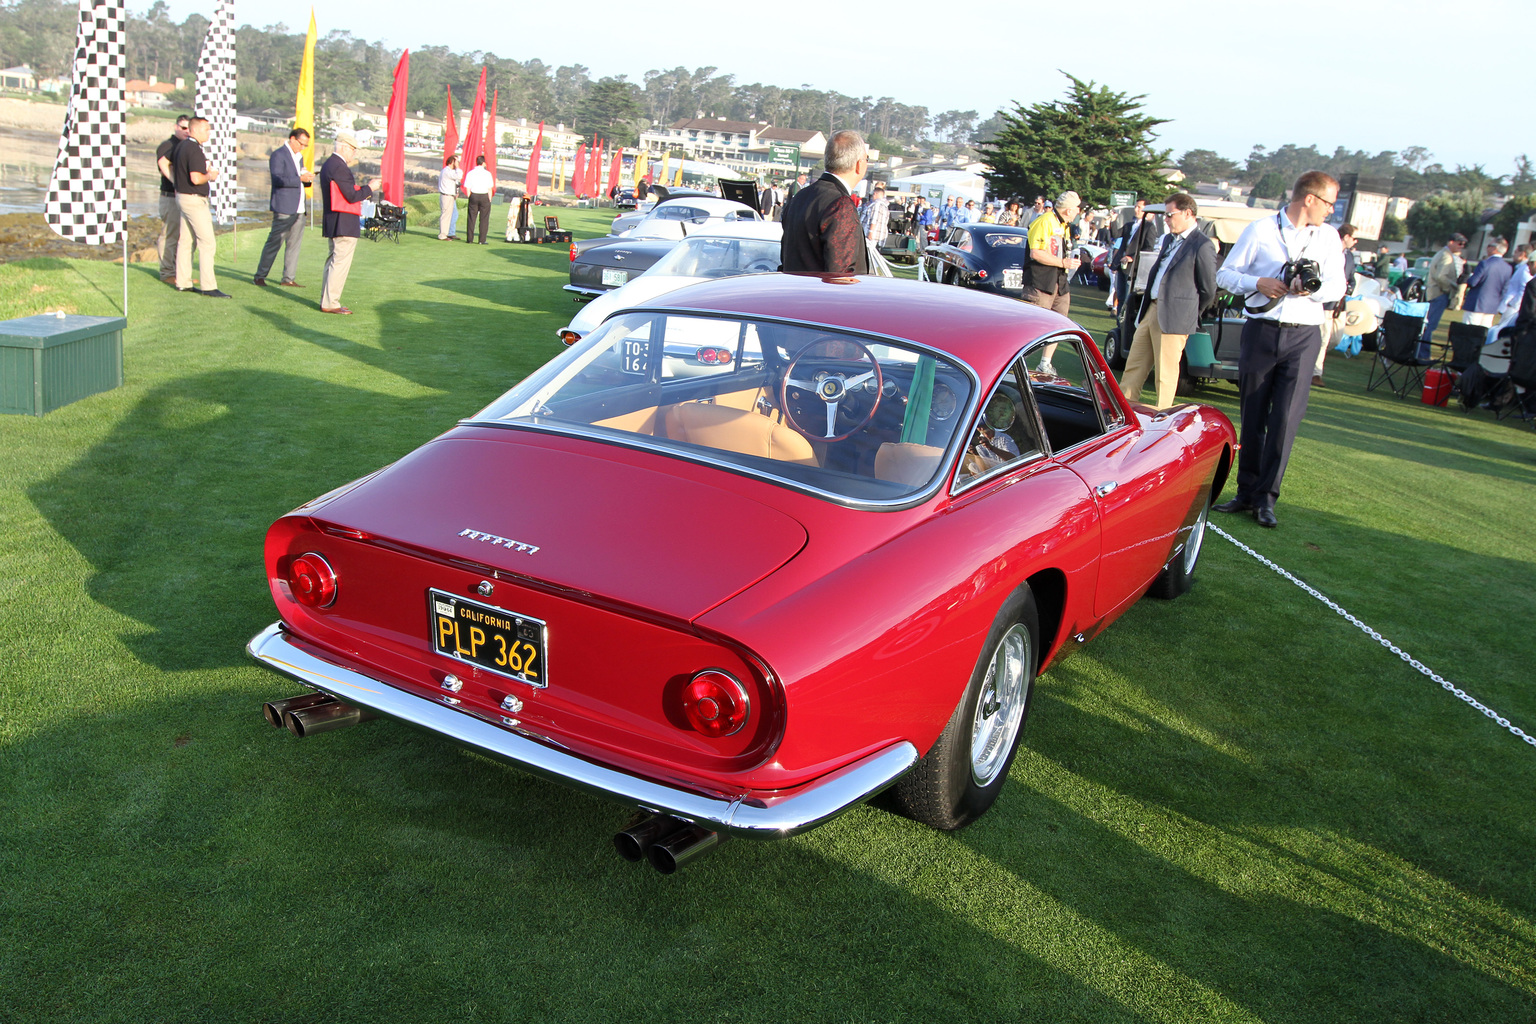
(762, 267)
(831, 387)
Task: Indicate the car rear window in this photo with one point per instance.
(998, 239)
(833, 412)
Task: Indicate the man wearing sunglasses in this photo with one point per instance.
(1282, 334)
(170, 213)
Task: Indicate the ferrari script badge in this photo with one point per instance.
(500, 542)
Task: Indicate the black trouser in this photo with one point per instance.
(479, 206)
(1275, 379)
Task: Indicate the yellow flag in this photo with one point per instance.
(666, 158)
(304, 103)
(679, 180)
(640, 161)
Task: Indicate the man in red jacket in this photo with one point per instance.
(821, 223)
(343, 199)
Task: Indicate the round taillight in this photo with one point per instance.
(981, 274)
(715, 703)
(573, 252)
(312, 581)
(569, 337)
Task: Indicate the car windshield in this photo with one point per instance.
(836, 413)
(718, 257)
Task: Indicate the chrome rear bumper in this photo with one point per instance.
(757, 817)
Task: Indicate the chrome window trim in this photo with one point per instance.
(956, 488)
(1104, 429)
(947, 464)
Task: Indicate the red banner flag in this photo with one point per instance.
(615, 169)
(533, 162)
(595, 169)
(474, 130)
(392, 166)
(489, 146)
(450, 130)
(578, 170)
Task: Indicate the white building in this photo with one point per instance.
(752, 148)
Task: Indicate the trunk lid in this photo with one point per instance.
(610, 523)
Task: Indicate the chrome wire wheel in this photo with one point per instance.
(1196, 538)
(1000, 706)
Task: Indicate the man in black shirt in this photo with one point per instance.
(170, 213)
(192, 177)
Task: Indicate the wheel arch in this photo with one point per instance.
(1223, 467)
(1050, 589)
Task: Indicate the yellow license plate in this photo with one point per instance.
(494, 639)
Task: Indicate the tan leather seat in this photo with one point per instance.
(906, 463)
(737, 430)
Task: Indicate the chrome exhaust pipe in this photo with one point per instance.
(273, 710)
(635, 840)
(673, 851)
(324, 717)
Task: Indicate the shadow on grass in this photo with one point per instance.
(170, 510)
(1326, 926)
(227, 867)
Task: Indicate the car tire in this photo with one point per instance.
(965, 770)
(1114, 353)
(1179, 574)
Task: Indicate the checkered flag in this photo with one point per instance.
(85, 200)
(216, 102)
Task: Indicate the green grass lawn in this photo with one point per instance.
(1231, 807)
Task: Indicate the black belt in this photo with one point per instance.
(1277, 323)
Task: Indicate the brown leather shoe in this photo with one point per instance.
(290, 284)
(259, 282)
(1317, 381)
(339, 310)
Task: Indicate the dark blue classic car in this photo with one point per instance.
(986, 256)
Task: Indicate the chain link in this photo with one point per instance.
(1413, 662)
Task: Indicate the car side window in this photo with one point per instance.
(1006, 432)
(963, 241)
(1062, 382)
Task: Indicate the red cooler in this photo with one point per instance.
(1437, 387)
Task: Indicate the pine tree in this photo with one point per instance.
(1094, 142)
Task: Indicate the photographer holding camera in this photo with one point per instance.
(1287, 266)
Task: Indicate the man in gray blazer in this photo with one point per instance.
(1183, 283)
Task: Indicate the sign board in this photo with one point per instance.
(1122, 199)
(936, 192)
(784, 153)
(1370, 210)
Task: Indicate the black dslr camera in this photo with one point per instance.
(1305, 271)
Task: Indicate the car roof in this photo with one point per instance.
(714, 204)
(983, 330)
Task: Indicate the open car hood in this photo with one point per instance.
(589, 523)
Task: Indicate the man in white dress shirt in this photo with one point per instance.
(1282, 335)
(448, 199)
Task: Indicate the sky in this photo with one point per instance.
(1227, 75)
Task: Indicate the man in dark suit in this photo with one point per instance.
(343, 198)
(287, 205)
(821, 223)
(1183, 283)
(1140, 235)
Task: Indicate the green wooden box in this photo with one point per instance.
(47, 361)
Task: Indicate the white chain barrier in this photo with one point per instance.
(1413, 662)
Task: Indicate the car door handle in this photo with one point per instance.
(1104, 489)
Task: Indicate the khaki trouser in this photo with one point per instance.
(337, 265)
(1332, 330)
(447, 215)
(1152, 350)
(196, 227)
(170, 234)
